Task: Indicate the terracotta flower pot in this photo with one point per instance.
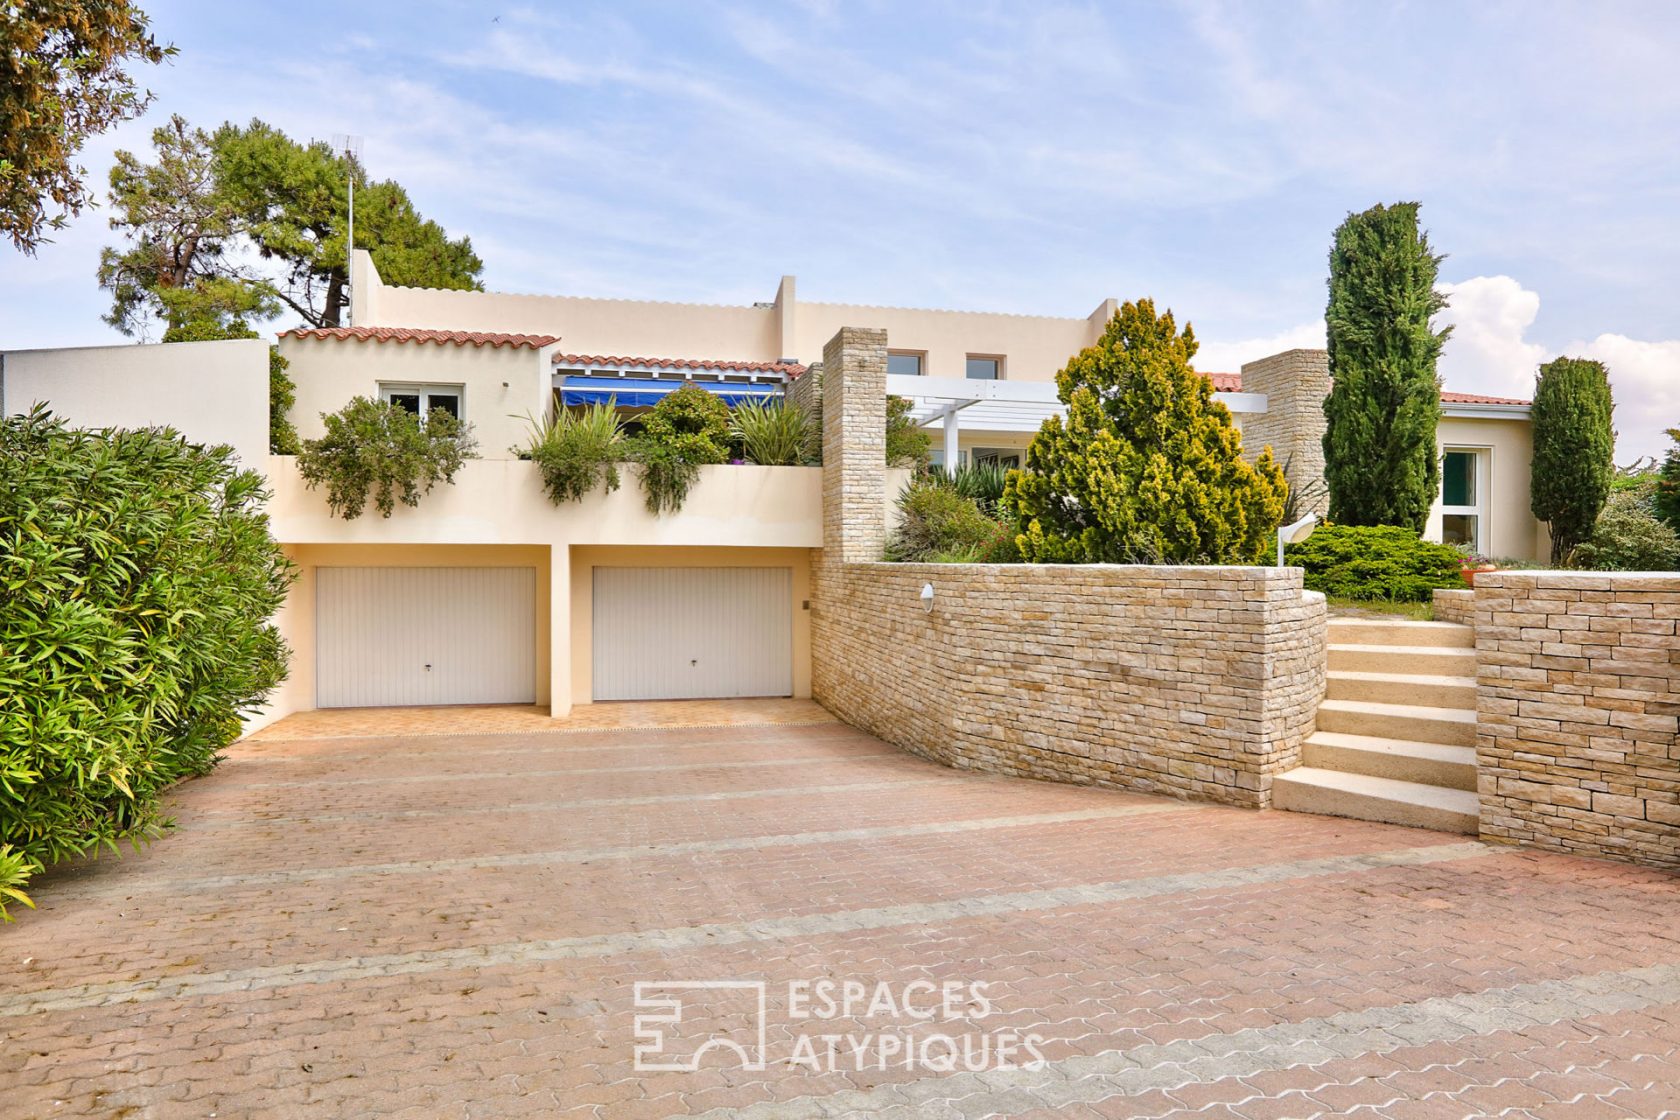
(1469, 573)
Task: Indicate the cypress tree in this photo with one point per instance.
(1148, 467)
(1573, 449)
(1380, 462)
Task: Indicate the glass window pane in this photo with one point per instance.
(449, 402)
(909, 365)
(1459, 528)
(407, 401)
(982, 369)
(1458, 479)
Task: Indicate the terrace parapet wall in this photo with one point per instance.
(1198, 682)
(1578, 712)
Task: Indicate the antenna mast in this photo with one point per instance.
(350, 147)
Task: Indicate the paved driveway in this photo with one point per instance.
(456, 926)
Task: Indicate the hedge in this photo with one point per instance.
(1376, 562)
(137, 575)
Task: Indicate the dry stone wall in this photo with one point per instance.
(1578, 710)
(1455, 606)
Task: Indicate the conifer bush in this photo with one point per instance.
(1385, 563)
(1147, 468)
(137, 577)
(1572, 468)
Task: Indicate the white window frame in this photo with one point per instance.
(425, 390)
(1482, 458)
(998, 358)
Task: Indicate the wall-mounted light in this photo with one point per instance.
(927, 597)
(1296, 533)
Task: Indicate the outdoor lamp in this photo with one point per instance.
(1296, 533)
(927, 597)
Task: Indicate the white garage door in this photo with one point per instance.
(685, 633)
(398, 636)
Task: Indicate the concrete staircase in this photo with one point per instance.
(1396, 738)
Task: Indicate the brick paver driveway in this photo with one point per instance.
(439, 926)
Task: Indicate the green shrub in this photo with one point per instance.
(1375, 562)
(576, 451)
(374, 447)
(937, 523)
(775, 433)
(137, 576)
(687, 429)
(1629, 537)
(1572, 469)
(908, 443)
(1665, 499)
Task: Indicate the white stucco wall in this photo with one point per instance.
(500, 384)
(210, 392)
(1511, 528)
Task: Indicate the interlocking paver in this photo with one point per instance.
(449, 919)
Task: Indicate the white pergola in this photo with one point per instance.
(1001, 406)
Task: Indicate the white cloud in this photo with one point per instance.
(1228, 357)
(1487, 351)
(1646, 379)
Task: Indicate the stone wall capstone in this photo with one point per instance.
(1578, 712)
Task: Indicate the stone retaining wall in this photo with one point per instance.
(1578, 698)
(1455, 606)
(1195, 682)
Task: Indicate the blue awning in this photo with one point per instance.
(641, 392)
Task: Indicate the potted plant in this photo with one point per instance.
(1474, 563)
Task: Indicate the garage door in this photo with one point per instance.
(685, 633)
(388, 636)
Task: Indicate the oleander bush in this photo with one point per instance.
(378, 450)
(937, 523)
(137, 576)
(686, 430)
(1375, 562)
(775, 433)
(576, 451)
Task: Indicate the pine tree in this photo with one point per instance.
(1147, 467)
(1380, 461)
(1573, 449)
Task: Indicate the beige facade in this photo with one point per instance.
(1504, 450)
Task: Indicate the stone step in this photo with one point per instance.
(1308, 789)
(1430, 764)
(1433, 690)
(1376, 632)
(1452, 726)
(1416, 660)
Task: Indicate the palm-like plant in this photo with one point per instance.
(576, 450)
(774, 433)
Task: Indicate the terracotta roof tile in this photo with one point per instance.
(1232, 383)
(415, 334)
(791, 369)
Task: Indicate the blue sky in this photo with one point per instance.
(1033, 157)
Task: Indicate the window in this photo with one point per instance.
(421, 399)
(907, 365)
(1002, 456)
(1462, 486)
(984, 369)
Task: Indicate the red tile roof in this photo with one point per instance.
(791, 369)
(1225, 382)
(1232, 383)
(1476, 398)
(415, 334)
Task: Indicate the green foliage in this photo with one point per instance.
(1665, 499)
(380, 448)
(687, 429)
(1305, 494)
(239, 223)
(137, 575)
(1629, 537)
(282, 391)
(1147, 467)
(1573, 447)
(577, 451)
(937, 523)
(907, 444)
(1375, 562)
(1380, 462)
(775, 433)
(62, 80)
